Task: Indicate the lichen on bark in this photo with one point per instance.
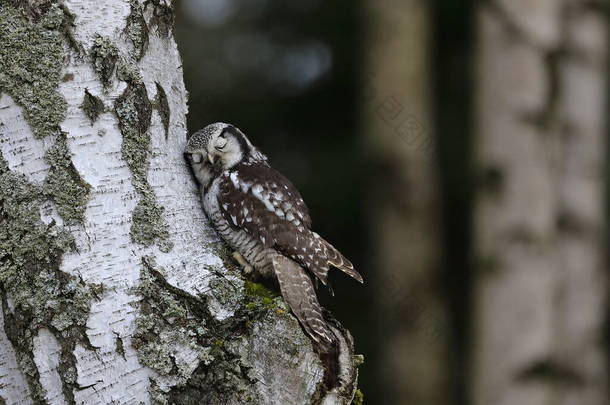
(137, 30)
(133, 110)
(35, 292)
(172, 323)
(92, 106)
(148, 223)
(104, 55)
(219, 369)
(64, 185)
(31, 59)
(167, 322)
(162, 106)
(162, 15)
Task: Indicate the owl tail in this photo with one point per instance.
(336, 259)
(298, 292)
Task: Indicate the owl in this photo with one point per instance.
(264, 219)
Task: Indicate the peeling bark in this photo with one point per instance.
(114, 288)
(542, 277)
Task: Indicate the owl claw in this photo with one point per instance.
(242, 262)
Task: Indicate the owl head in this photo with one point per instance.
(219, 147)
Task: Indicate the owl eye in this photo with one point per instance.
(221, 143)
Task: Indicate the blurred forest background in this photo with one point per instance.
(456, 152)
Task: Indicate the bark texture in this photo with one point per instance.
(542, 274)
(404, 208)
(114, 288)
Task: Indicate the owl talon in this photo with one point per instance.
(242, 262)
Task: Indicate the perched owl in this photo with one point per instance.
(262, 216)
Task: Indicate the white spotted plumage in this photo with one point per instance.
(261, 215)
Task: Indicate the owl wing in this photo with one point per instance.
(275, 191)
(263, 203)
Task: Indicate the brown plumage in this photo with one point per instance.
(261, 215)
(258, 199)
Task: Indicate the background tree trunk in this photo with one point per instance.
(114, 288)
(404, 207)
(542, 275)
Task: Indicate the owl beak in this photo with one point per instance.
(211, 158)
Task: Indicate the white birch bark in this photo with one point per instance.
(111, 304)
(542, 280)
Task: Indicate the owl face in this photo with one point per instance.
(219, 147)
(197, 146)
(196, 152)
(226, 148)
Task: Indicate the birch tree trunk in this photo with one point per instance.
(114, 288)
(542, 278)
(405, 210)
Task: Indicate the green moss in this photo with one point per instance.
(104, 55)
(358, 398)
(258, 298)
(259, 290)
(162, 106)
(137, 30)
(31, 59)
(41, 295)
(92, 105)
(64, 185)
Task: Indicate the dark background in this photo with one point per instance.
(289, 74)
